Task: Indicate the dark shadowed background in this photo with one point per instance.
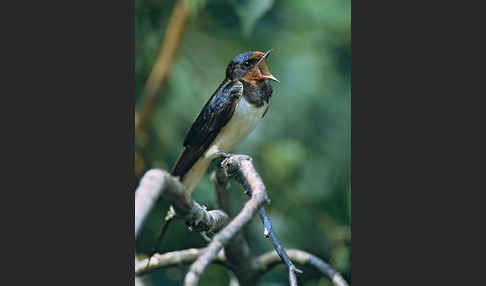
(302, 146)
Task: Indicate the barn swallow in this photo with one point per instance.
(231, 113)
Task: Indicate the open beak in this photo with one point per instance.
(264, 69)
(271, 77)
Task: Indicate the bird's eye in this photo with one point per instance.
(246, 64)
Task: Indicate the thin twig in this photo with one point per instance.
(170, 259)
(242, 167)
(270, 259)
(270, 233)
(168, 219)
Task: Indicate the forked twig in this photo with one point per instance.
(242, 167)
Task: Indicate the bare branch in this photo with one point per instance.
(241, 167)
(169, 259)
(270, 259)
(156, 183)
(269, 233)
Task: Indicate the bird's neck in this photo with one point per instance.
(257, 95)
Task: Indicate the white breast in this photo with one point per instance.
(245, 118)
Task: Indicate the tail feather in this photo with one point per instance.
(184, 163)
(190, 167)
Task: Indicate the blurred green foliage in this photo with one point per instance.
(301, 148)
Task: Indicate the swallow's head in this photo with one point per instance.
(250, 67)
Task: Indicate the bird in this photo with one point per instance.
(229, 116)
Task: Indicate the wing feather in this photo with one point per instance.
(214, 116)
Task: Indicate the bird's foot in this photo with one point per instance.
(193, 224)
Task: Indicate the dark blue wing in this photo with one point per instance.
(214, 116)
